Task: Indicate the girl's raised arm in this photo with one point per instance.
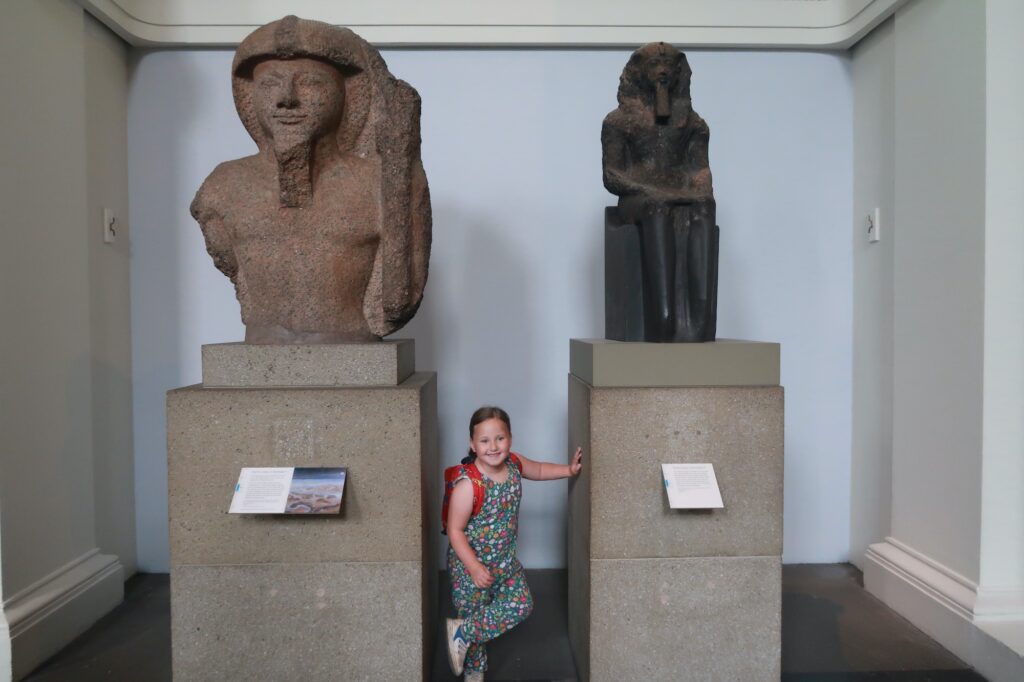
(549, 471)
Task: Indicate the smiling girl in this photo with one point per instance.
(489, 589)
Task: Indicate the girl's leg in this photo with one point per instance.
(476, 659)
(509, 604)
(468, 600)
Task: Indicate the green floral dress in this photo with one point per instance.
(492, 535)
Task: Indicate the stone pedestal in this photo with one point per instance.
(665, 594)
(274, 597)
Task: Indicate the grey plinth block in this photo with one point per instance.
(276, 593)
(387, 363)
(675, 620)
(725, 362)
(632, 431)
(383, 436)
(699, 591)
(316, 621)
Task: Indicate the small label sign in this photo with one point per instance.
(691, 486)
(289, 490)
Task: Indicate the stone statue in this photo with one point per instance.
(325, 232)
(655, 158)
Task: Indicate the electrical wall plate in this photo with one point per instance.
(109, 226)
(873, 225)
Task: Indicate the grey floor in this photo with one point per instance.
(832, 630)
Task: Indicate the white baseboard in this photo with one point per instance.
(948, 607)
(5, 649)
(999, 603)
(48, 614)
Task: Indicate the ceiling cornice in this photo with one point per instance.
(799, 24)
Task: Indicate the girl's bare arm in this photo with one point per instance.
(549, 471)
(460, 508)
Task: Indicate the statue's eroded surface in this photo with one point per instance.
(325, 232)
(655, 158)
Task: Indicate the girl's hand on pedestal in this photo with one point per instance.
(576, 464)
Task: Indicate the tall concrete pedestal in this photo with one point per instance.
(272, 597)
(664, 594)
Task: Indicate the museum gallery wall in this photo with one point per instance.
(511, 145)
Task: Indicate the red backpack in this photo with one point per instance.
(453, 474)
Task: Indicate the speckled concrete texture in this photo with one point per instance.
(708, 619)
(579, 529)
(275, 622)
(376, 432)
(725, 362)
(664, 594)
(430, 511)
(387, 363)
(276, 597)
(635, 430)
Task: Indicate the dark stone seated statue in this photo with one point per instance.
(661, 243)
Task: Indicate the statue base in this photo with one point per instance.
(697, 591)
(297, 596)
(243, 365)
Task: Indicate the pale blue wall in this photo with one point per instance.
(512, 152)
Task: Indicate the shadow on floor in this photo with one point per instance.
(537, 650)
(131, 643)
(832, 631)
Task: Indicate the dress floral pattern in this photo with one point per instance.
(507, 602)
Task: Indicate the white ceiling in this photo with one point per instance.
(801, 24)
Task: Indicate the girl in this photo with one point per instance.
(488, 586)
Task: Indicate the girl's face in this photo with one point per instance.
(491, 443)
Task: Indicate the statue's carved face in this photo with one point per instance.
(298, 100)
(661, 70)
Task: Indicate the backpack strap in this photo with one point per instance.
(479, 487)
(452, 476)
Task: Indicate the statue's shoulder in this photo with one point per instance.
(223, 186)
(235, 171)
(624, 121)
(616, 118)
(697, 123)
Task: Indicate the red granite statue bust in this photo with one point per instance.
(325, 232)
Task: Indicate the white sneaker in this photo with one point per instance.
(456, 646)
(474, 677)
